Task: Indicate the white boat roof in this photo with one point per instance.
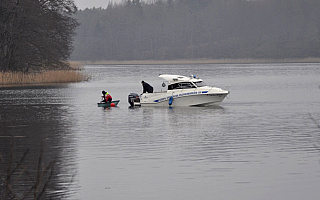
(179, 78)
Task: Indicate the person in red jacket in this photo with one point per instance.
(106, 97)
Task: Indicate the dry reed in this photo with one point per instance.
(76, 65)
(54, 76)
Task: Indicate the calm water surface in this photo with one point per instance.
(262, 143)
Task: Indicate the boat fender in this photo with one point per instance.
(170, 100)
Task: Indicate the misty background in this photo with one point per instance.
(199, 29)
(83, 4)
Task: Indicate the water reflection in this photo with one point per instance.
(178, 153)
(28, 127)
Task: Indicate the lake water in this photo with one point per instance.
(262, 143)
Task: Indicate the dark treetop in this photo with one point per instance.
(35, 34)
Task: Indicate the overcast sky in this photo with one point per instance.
(82, 4)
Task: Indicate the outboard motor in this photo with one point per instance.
(134, 99)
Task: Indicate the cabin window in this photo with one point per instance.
(182, 85)
(174, 86)
(187, 85)
(199, 84)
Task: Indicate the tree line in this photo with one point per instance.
(36, 34)
(199, 29)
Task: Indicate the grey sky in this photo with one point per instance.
(82, 4)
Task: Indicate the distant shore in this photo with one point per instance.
(197, 61)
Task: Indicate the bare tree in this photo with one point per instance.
(36, 34)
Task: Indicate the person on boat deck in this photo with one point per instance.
(106, 97)
(146, 87)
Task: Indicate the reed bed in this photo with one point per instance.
(76, 65)
(54, 76)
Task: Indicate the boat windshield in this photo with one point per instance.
(181, 85)
(199, 84)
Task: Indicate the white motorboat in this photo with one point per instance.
(181, 91)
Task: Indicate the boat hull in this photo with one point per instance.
(108, 104)
(192, 100)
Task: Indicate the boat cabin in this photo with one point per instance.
(182, 82)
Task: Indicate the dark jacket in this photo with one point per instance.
(147, 88)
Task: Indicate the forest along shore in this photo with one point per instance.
(71, 75)
(197, 61)
(184, 29)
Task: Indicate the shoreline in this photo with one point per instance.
(196, 61)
